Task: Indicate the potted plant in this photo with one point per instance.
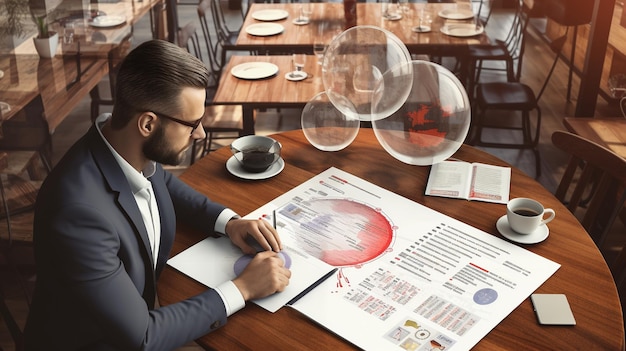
(13, 17)
(46, 41)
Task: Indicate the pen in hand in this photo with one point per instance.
(274, 219)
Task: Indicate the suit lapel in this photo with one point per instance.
(117, 182)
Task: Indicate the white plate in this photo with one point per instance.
(235, 168)
(421, 29)
(456, 14)
(537, 236)
(394, 17)
(462, 30)
(264, 29)
(1, 74)
(107, 21)
(270, 15)
(300, 22)
(254, 70)
(296, 77)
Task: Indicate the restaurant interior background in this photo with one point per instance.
(553, 104)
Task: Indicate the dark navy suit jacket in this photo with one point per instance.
(96, 283)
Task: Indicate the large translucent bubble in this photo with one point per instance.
(433, 121)
(327, 128)
(356, 60)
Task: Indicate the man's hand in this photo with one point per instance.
(238, 230)
(265, 274)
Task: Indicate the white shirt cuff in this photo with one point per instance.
(223, 218)
(233, 300)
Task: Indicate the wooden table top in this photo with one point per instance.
(608, 132)
(328, 20)
(273, 90)
(583, 277)
(27, 76)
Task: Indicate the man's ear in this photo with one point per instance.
(146, 122)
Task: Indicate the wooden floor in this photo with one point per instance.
(536, 63)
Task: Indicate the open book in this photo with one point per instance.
(469, 181)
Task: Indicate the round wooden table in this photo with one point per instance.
(583, 277)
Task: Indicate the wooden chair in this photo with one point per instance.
(115, 58)
(509, 50)
(596, 176)
(512, 96)
(219, 121)
(220, 39)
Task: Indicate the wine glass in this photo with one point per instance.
(319, 47)
(424, 21)
(298, 63)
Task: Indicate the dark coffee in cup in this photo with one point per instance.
(526, 212)
(257, 160)
(255, 153)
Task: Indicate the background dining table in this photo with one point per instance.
(583, 276)
(327, 21)
(275, 91)
(78, 66)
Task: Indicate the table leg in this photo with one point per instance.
(248, 119)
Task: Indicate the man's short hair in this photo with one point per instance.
(152, 77)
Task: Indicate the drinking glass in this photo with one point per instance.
(318, 49)
(68, 33)
(298, 63)
(424, 20)
(306, 11)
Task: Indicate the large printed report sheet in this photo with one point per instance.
(408, 277)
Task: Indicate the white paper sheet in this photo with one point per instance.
(423, 281)
(408, 278)
(213, 260)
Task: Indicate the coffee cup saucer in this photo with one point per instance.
(235, 168)
(539, 235)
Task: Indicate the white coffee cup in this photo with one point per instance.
(526, 215)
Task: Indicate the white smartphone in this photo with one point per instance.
(552, 309)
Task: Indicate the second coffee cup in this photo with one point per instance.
(526, 215)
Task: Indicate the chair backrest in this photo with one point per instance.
(188, 39)
(515, 42)
(594, 176)
(484, 10)
(212, 39)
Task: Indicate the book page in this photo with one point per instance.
(490, 183)
(449, 179)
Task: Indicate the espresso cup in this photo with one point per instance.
(256, 153)
(526, 215)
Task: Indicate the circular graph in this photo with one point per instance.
(340, 232)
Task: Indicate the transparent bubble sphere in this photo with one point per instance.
(327, 128)
(432, 123)
(356, 60)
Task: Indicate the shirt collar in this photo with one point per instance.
(137, 180)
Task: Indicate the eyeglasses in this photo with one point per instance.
(193, 125)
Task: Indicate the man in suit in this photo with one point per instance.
(105, 221)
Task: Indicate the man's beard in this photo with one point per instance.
(157, 149)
